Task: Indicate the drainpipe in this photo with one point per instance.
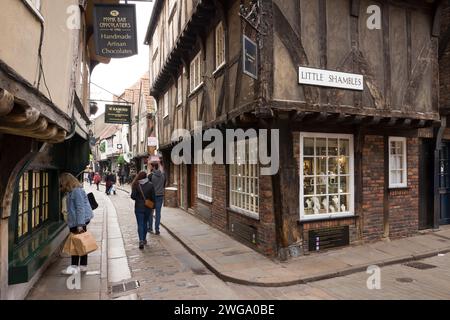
(437, 195)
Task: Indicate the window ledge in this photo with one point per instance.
(27, 260)
(394, 188)
(248, 214)
(324, 217)
(204, 198)
(196, 90)
(34, 10)
(219, 69)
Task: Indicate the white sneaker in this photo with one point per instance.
(83, 268)
(70, 270)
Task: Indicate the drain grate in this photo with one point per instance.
(404, 280)
(420, 265)
(124, 287)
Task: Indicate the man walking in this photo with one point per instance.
(158, 179)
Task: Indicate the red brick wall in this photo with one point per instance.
(373, 188)
(220, 215)
(404, 203)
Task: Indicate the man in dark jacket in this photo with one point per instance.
(158, 180)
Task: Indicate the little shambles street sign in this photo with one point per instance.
(118, 114)
(115, 30)
(334, 79)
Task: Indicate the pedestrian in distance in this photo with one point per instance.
(79, 215)
(142, 190)
(114, 181)
(90, 177)
(97, 180)
(108, 183)
(158, 179)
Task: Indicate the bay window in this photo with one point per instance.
(32, 202)
(244, 182)
(326, 176)
(397, 163)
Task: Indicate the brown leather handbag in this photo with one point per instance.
(148, 203)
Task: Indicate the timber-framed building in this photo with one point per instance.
(351, 161)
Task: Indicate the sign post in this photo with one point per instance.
(115, 30)
(118, 114)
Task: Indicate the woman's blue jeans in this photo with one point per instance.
(159, 200)
(142, 218)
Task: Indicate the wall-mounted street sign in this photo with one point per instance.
(115, 30)
(117, 114)
(328, 78)
(250, 58)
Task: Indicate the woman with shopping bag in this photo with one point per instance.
(79, 214)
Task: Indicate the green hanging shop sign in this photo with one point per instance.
(118, 114)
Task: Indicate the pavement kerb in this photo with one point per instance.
(189, 246)
(104, 262)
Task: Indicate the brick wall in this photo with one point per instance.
(404, 203)
(220, 215)
(373, 188)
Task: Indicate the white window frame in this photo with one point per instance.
(166, 105)
(247, 181)
(195, 72)
(205, 171)
(220, 51)
(351, 210)
(404, 170)
(180, 90)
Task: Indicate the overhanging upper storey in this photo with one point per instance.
(198, 14)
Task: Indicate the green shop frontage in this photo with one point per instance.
(32, 200)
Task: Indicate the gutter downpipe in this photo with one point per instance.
(437, 195)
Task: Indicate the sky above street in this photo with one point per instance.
(120, 74)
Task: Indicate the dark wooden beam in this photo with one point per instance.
(355, 6)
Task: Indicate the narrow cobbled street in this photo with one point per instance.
(165, 269)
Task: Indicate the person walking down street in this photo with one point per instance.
(97, 180)
(108, 183)
(79, 215)
(114, 181)
(158, 179)
(90, 177)
(142, 189)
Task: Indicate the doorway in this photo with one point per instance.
(444, 183)
(426, 184)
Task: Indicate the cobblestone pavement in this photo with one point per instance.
(166, 270)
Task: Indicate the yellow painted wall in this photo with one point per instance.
(20, 44)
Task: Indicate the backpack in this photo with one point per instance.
(92, 201)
